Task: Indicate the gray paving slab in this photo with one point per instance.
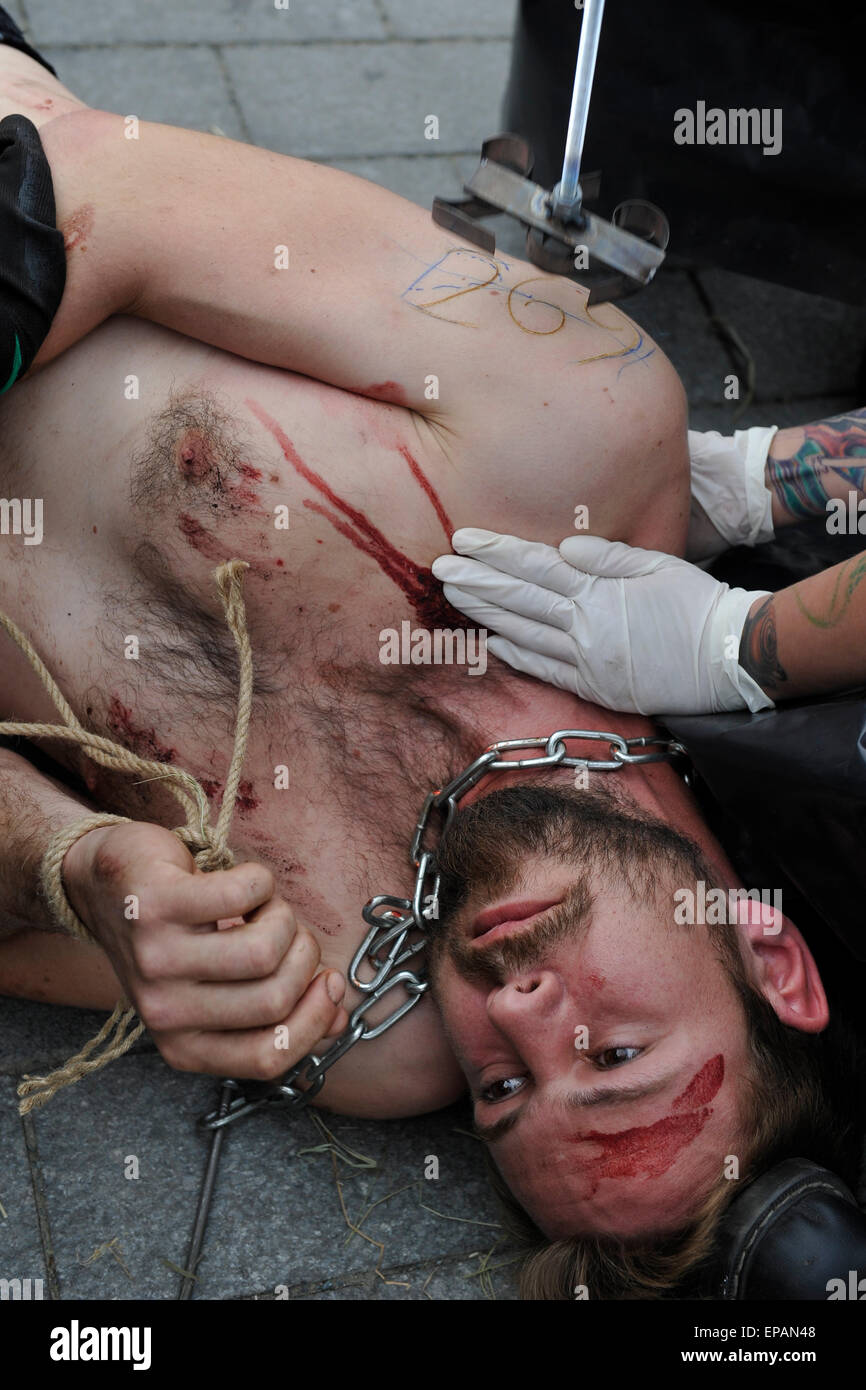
(282, 1222)
(459, 1208)
(21, 1252)
(450, 18)
(14, 9)
(217, 21)
(113, 1233)
(336, 100)
(802, 345)
(781, 413)
(277, 1218)
(443, 1279)
(36, 1037)
(420, 178)
(180, 86)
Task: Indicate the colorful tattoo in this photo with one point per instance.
(800, 481)
(759, 655)
(847, 580)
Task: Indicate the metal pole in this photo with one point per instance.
(567, 195)
(228, 1090)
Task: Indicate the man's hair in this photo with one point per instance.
(798, 1095)
(798, 1103)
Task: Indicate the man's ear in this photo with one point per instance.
(785, 967)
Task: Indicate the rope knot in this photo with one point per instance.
(211, 857)
(207, 843)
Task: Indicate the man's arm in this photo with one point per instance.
(811, 464)
(811, 637)
(33, 808)
(280, 260)
(748, 485)
(312, 270)
(214, 1001)
(638, 630)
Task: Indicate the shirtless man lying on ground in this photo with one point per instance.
(161, 448)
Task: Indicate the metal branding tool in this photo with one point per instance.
(562, 236)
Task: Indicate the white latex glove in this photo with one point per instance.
(731, 504)
(634, 630)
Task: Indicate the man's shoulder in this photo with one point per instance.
(409, 1070)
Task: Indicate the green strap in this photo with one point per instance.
(16, 367)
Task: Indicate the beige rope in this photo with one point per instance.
(208, 844)
(51, 871)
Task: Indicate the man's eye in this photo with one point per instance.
(615, 1056)
(501, 1090)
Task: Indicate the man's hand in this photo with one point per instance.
(215, 1000)
(633, 630)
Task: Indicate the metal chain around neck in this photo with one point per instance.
(398, 927)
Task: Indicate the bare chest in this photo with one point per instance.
(157, 459)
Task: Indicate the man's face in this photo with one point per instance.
(604, 1046)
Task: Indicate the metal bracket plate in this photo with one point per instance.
(632, 246)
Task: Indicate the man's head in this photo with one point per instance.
(607, 1046)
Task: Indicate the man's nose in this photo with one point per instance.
(530, 1010)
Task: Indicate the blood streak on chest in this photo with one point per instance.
(245, 801)
(647, 1151)
(417, 582)
(201, 539)
(142, 741)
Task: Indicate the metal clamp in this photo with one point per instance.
(632, 245)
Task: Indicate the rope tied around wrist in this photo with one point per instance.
(207, 843)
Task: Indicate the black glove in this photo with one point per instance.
(32, 256)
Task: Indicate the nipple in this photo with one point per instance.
(195, 456)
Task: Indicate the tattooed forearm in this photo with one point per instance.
(825, 465)
(847, 580)
(759, 655)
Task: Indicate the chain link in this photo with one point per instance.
(399, 926)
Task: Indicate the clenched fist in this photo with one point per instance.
(215, 963)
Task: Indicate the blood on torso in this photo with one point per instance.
(143, 497)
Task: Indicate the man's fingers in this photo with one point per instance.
(194, 899)
(261, 1054)
(487, 586)
(613, 559)
(534, 634)
(169, 1004)
(530, 561)
(563, 674)
(252, 950)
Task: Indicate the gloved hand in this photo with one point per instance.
(633, 630)
(32, 255)
(731, 504)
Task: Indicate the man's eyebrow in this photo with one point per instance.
(577, 1100)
